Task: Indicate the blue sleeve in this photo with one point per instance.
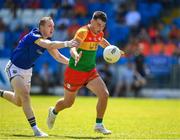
(33, 37)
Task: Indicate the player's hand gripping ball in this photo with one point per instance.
(112, 54)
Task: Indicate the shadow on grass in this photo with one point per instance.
(77, 137)
(23, 136)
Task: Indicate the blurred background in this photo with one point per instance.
(147, 30)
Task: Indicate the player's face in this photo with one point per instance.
(97, 25)
(48, 28)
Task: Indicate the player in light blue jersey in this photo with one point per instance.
(19, 68)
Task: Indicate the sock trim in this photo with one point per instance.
(32, 121)
(99, 120)
(54, 112)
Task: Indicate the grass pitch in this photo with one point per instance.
(128, 118)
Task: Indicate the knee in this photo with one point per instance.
(25, 97)
(104, 95)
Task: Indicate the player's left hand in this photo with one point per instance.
(77, 58)
(122, 52)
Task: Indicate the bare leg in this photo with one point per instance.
(21, 97)
(66, 102)
(22, 91)
(12, 97)
(98, 87)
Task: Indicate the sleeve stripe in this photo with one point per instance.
(37, 41)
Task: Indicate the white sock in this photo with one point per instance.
(99, 124)
(35, 128)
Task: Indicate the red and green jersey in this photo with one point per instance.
(89, 45)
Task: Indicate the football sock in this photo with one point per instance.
(54, 112)
(1, 93)
(35, 128)
(32, 121)
(99, 121)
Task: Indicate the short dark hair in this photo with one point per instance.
(43, 20)
(100, 15)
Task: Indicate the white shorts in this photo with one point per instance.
(12, 71)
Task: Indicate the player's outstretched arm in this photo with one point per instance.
(104, 43)
(58, 56)
(48, 44)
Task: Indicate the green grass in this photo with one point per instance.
(128, 118)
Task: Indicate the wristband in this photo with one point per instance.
(66, 44)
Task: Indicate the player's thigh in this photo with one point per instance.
(98, 87)
(19, 86)
(28, 88)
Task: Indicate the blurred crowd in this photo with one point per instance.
(147, 30)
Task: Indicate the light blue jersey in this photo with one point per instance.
(27, 51)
